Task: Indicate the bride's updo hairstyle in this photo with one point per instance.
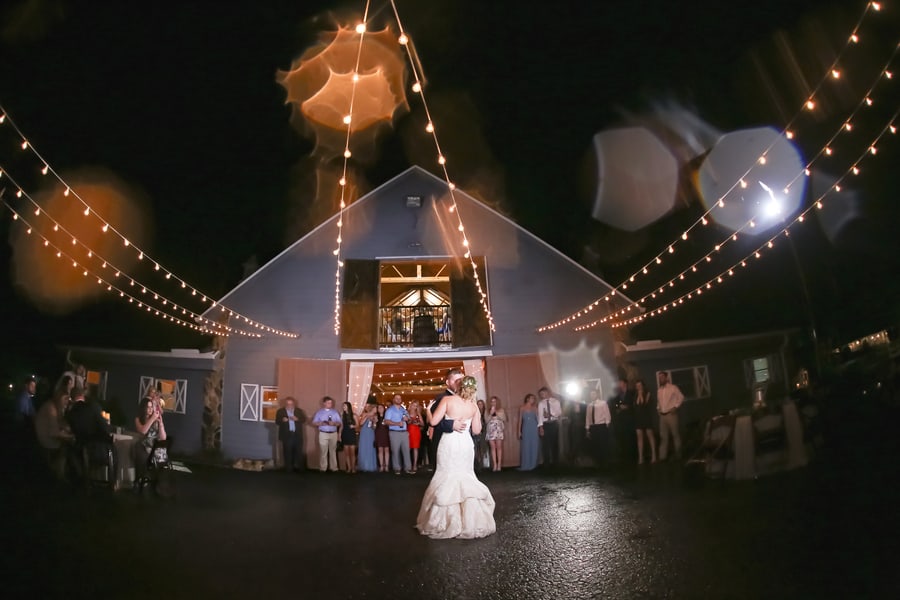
(467, 387)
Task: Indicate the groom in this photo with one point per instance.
(452, 379)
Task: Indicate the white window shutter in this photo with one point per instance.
(249, 402)
(147, 384)
(180, 395)
(701, 375)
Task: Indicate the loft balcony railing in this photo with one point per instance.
(415, 326)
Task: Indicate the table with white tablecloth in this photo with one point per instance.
(124, 443)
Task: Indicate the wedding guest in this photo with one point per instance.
(597, 420)
(643, 421)
(549, 413)
(496, 431)
(396, 417)
(25, 409)
(288, 420)
(621, 409)
(328, 422)
(382, 440)
(415, 432)
(349, 437)
(528, 434)
(91, 430)
(53, 433)
(149, 424)
(478, 438)
(368, 460)
(668, 401)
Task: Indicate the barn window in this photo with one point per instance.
(268, 400)
(692, 381)
(172, 391)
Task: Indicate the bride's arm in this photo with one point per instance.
(438, 412)
(476, 422)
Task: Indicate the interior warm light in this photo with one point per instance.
(361, 28)
(417, 87)
(810, 104)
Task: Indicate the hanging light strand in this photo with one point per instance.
(142, 255)
(707, 258)
(704, 219)
(342, 208)
(419, 88)
(208, 326)
(756, 254)
(108, 264)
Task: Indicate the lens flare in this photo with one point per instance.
(322, 82)
(53, 284)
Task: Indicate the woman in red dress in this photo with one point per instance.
(415, 432)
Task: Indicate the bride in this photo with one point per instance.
(456, 504)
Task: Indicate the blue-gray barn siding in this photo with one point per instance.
(725, 364)
(123, 389)
(528, 283)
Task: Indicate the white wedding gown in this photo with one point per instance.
(456, 504)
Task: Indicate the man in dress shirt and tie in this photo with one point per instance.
(396, 418)
(288, 420)
(596, 426)
(668, 401)
(549, 412)
(328, 422)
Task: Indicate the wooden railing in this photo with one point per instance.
(419, 326)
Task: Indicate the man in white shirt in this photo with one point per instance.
(596, 426)
(549, 413)
(668, 401)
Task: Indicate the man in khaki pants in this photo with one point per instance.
(329, 423)
(668, 401)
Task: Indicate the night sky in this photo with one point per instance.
(179, 100)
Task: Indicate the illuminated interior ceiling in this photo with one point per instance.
(414, 283)
(413, 379)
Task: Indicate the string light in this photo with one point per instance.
(217, 328)
(106, 226)
(442, 161)
(758, 252)
(703, 220)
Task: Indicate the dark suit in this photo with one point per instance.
(445, 426)
(290, 440)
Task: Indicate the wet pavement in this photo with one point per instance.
(827, 530)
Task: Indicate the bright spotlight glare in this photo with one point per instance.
(573, 388)
(771, 206)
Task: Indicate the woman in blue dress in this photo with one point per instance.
(529, 447)
(368, 461)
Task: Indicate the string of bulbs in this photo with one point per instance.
(890, 128)
(825, 151)
(417, 88)
(832, 73)
(106, 227)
